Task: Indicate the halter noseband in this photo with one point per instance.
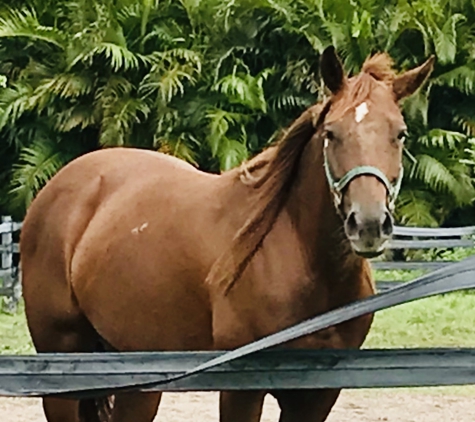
(337, 186)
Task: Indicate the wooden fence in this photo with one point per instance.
(30, 376)
(10, 286)
(418, 238)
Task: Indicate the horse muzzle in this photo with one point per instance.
(369, 232)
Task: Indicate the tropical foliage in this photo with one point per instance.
(213, 81)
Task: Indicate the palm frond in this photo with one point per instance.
(167, 82)
(231, 153)
(466, 123)
(14, 102)
(220, 121)
(445, 39)
(68, 85)
(439, 178)
(416, 108)
(244, 89)
(119, 118)
(24, 23)
(288, 100)
(118, 57)
(37, 164)
(182, 55)
(79, 116)
(440, 138)
(461, 78)
(178, 146)
(169, 74)
(415, 209)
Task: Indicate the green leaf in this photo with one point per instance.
(415, 209)
(79, 116)
(24, 23)
(461, 78)
(231, 153)
(416, 107)
(37, 164)
(441, 138)
(218, 127)
(119, 119)
(14, 102)
(119, 57)
(439, 178)
(66, 85)
(244, 89)
(445, 39)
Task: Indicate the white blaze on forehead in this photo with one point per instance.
(360, 112)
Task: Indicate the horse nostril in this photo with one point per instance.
(351, 225)
(387, 226)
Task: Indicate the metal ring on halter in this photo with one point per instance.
(337, 186)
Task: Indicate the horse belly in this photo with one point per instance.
(139, 315)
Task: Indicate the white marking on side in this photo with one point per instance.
(139, 229)
(360, 112)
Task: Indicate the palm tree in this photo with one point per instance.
(213, 82)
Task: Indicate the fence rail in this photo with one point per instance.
(77, 374)
(411, 238)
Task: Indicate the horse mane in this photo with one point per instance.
(271, 173)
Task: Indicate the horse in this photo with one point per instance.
(133, 250)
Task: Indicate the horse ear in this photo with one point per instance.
(407, 83)
(332, 70)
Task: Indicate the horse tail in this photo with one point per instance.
(96, 409)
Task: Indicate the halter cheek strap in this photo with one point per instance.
(337, 186)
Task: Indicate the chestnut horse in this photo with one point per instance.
(132, 250)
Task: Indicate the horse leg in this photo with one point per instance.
(306, 405)
(51, 335)
(88, 410)
(241, 406)
(57, 410)
(135, 407)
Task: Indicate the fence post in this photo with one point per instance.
(9, 302)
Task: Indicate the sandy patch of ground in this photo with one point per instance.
(353, 406)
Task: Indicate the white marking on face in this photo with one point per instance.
(360, 112)
(139, 229)
(325, 143)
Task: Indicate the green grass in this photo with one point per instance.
(14, 336)
(441, 321)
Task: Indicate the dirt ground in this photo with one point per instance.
(353, 406)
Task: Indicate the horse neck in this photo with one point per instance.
(313, 215)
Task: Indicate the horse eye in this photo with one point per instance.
(329, 135)
(402, 135)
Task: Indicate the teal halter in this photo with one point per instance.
(337, 186)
